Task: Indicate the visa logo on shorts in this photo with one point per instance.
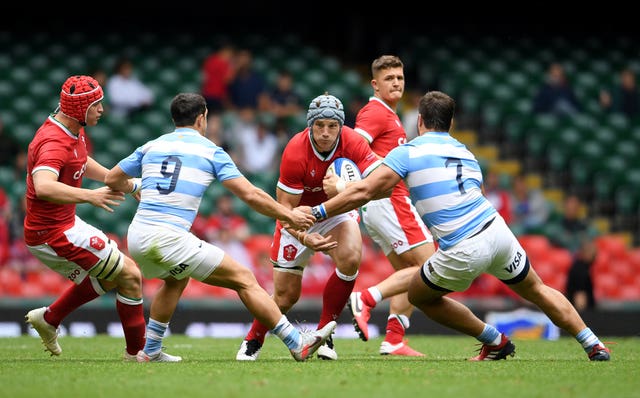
(515, 263)
(178, 269)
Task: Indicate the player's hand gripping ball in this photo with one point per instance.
(346, 169)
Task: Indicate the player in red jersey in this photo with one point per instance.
(304, 164)
(57, 163)
(393, 223)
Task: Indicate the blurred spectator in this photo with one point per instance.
(257, 147)
(216, 133)
(20, 257)
(223, 224)
(126, 94)
(579, 286)
(573, 227)
(624, 97)
(100, 75)
(15, 220)
(284, 103)
(5, 219)
(227, 240)
(409, 113)
(556, 95)
(352, 109)
(531, 209)
(496, 193)
(248, 89)
(9, 148)
(218, 70)
(20, 166)
(226, 229)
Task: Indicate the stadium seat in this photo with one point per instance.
(535, 245)
(560, 258)
(258, 245)
(613, 245)
(10, 282)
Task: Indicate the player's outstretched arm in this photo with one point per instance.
(47, 187)
(263, 203)
(376, 185)
(118, 180)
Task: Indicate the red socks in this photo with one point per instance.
(70, 300)
(133, 325)
(334, 298)
(257, 332)
(395, 330)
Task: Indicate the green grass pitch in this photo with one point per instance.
(92, 367)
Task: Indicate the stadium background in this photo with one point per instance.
(490, 66)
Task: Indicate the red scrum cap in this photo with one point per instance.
(77, 95)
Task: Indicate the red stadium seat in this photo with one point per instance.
(605, 286)
(535, 245)
(614, 245)
(10, 282)
(257, 246)
(560, 258)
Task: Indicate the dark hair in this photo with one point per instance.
(436, 109)
(385, 62)
(186, 107)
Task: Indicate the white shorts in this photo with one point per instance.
(164, 251)
(75, 251)
(289, 255)
(495, 251)
(395, 225)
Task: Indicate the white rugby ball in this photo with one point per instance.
(345, 168)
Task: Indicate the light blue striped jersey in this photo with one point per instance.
(176, 169)
(444, 181)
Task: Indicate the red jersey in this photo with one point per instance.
(57, 149)
(380, 126)
(217, 72)
(302, 167)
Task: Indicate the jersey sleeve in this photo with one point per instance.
(224, 166)
(292, 168)
(368, 122)
(397, 160)
(132, 164)
(51, 155)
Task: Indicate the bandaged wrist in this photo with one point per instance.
(137, 184)
(319, 212)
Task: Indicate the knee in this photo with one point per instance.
(286, 299)
(130, 278)
(286, 303)
(177, 285)
(348, 265)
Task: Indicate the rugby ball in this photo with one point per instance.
(345, 168)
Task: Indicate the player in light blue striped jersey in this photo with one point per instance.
(176, 169)
(445, 185)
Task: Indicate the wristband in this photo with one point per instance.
(341, 185)
(319, 212)
(137, 184)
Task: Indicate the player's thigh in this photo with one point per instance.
(349, 238)
(75, 251)
(421, 292)
(417, 256)
(230, 273)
